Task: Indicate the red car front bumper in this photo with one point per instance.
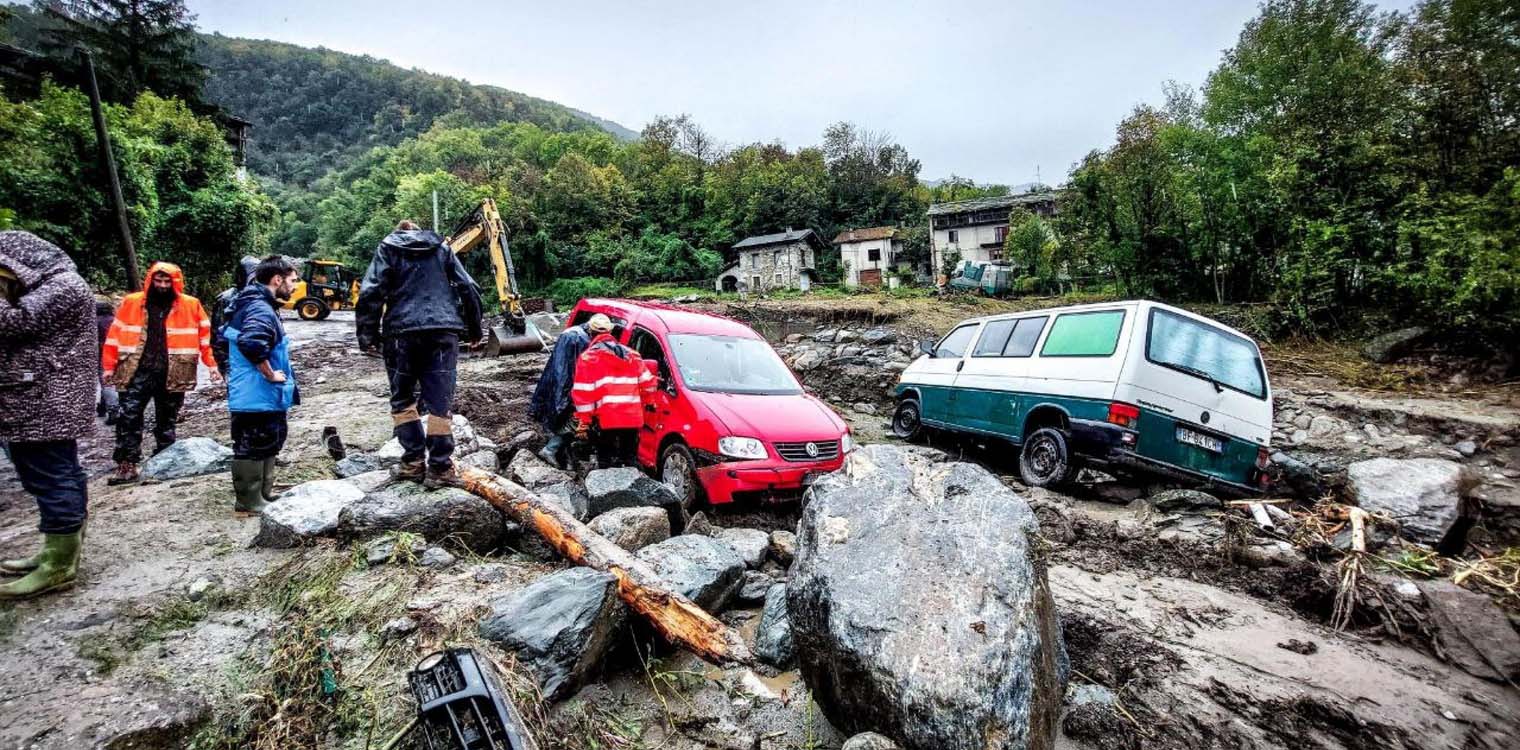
(723, 481)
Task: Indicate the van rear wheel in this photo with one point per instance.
(907, 421)
(1046, 460)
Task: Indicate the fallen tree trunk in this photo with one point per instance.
(674, 616)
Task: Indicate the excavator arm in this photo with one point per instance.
(483, 227)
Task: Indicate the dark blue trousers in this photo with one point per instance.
(422, 368)
(50, 471)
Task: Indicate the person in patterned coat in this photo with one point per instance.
(48, 365)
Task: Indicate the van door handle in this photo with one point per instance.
(959, 365)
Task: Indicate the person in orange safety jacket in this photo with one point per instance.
(611, 387)
(150, 354)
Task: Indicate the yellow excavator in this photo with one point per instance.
(325, 285)
(483, 227)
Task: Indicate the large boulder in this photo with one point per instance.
(1423, 494)
(633, 528)
(560, 626)
(628, 487)
(1393, 345)
(445, 515)
(919, 606)
(530, 471)
(773, 639)
(751, 544)
(571, 496)
(305, 511)
(1474, 632)
(701, 568)
(188, 457)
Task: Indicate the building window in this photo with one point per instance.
(955, 237)
(775, 257)
(1002, 234)
(874, 255)
(755, 283)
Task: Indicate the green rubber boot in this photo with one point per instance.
(20, 566)
(266, 486)
(57, 565)
(248, 486)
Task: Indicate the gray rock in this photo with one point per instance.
(188, 457)
(305, 511)
(530, 471)
(1174, 500)
(560, 625)
(869, 741)
(569, 495)
(1325, 426)
(985, 613)
(437, 558)
(879, 336)
(1089, 695)
(370, 481)
(1393, 345)
(400, 627)
(628, 487)
(389, 453)
(357, 463)
(753, 587)
(489, 573)
(483, 459)
(783, 548)
(445, 515)
(863, 408)
(701, 568)
(773, 640)
(465, 439)
(1422, 494)
(826, 335)
(1466, 447)
(201, 588)
(751, 544)
(633, 528)
(1475, 633)
(1117, 493)
(809, 359)
(1298, 478)
(380, 551)
(698, 524)
(846, 336)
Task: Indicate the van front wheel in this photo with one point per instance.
(1045, 460)
(907, 422)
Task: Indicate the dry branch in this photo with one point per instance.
(673, 615)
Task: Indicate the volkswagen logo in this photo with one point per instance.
(812, 450)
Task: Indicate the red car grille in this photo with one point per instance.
(824, 450)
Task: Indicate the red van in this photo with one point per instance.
(729, 421)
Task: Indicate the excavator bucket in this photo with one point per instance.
(504, 340)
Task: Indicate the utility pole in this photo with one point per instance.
(435, 210)
(103, 143)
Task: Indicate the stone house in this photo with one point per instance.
(785, 260)
(867, 254)
(976, 228)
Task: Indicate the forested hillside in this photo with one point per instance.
(315, 109)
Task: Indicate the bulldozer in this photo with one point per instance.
(325, 285)
(483, 227)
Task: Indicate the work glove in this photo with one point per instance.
(582, 429)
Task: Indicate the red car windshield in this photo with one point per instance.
(729, 364)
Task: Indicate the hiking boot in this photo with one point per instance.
(57, 566)
(445, 477)
(247, 487)
(413, 471)
(334, 443)
(126, 473)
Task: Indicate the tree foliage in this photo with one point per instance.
(137, 45)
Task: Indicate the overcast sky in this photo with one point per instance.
(980, 88)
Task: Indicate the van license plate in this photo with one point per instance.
(1206, 442)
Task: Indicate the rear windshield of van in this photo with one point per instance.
(1205, 352)
(1084, 334)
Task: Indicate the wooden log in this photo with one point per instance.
(1358, 530)
(674, 616)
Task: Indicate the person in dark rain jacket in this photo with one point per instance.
(415, 302)
(551, 404)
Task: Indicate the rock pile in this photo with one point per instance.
(849, 365)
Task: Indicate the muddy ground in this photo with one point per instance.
(179, 630)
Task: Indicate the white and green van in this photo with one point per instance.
(1126, 387)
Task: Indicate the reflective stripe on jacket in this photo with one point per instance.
(187, 334)
(611, 384)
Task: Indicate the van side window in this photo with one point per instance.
(954, 345)
(1021, 343)
(994, 338)
(1084, 334)
(648, 347)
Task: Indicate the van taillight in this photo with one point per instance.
(1123, 414)
(1263, 459)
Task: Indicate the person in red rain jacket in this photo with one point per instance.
(611, 386)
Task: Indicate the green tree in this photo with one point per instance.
(138, 45)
